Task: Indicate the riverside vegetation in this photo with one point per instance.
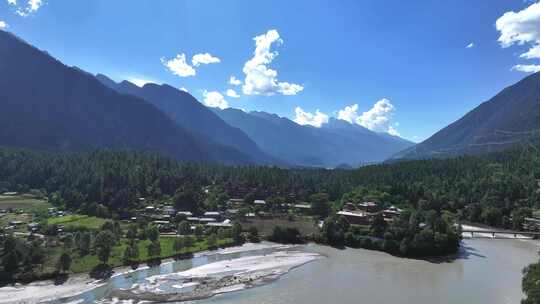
(498, 189)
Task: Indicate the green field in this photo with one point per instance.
(28, 204)
(82, 264)
(76, 220)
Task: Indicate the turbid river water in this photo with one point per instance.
(487, 271)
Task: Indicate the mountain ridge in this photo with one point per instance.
(509, 118)
(47, 105)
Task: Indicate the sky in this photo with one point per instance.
(408, 68)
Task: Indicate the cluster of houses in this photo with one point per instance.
(363, 213)
(163, 215)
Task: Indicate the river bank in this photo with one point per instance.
(216, 278)
(43, 291)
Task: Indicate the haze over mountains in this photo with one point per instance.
(511, 118)
(190, 114)
(71, 110)
(335, 143)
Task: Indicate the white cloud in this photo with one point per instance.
(377, 119)
(260, 79)
(205, 58)
(349, 113)
(25, 10)
(3, 25)
(306, 118)
(179, 66)
(392, 131)
(140, 82)
(34, 5)
(527, 68)
(470, 45)
(215, 100)
(232, 93)
(235, 82)
(184, 89)
(521, 28)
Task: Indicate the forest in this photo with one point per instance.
(498, 190)
(486, 189)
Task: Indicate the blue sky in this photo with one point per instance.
(405, 64)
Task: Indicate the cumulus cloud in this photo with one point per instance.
(527, 68)
(178, 66)
(234, 81)
(3, 25)
(377, 119)
(316, 119)
(470, 45)
(232, 93)
(24, 10)
(260, 79)
(521, 28)
(349, 113)
(215, 100)
(205, 58)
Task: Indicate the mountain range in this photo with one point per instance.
(333, 144)
(47, 105)
(193, 116)
(509, 119)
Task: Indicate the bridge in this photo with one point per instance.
(494, 233)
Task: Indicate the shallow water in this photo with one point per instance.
(487, 271)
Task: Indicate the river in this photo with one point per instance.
(487, 271)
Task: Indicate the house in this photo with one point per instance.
(259, 202)
(391, 212)
(203, 220)
(231, 212)
(150, 209)
(303, 208)
(212, 214)
(15, 223)
(184, 213)
(356, 217)
(169, 210)
(370, 207)
(531, 224)
(33, 227)
(224, 224)
(349, 207)
(235, 202)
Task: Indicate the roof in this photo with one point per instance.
(368, 204)
(186, 213)
(207, 219)
(348, 213)
(219, 224)
(259, 202)
(302, 206)
(212, 213)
